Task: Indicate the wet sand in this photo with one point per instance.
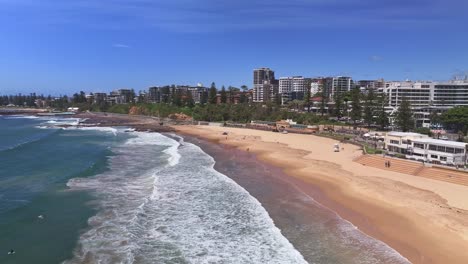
(425, 220)
(317, 232)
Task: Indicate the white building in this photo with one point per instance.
(399, 142)
(334, 86)
(417, 93)
(314, 88)
(450, 94)
(426, 97)
(438, 151)
(294, 87)
(423, 148)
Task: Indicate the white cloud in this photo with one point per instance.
(375, 58)
(120, 46)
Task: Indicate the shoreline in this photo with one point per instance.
(299, 216)
(404, 228)
(426, 221)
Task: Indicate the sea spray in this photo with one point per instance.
(163, 202)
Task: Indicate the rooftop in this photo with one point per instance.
(441, 142)
(405, 134)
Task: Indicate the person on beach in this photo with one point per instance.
(389, 164)
(386, 164)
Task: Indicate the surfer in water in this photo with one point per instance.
(11, 252)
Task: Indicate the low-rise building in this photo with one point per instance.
(423, 148)
(399, 142)
(438, 151)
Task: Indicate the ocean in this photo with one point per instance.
(101, 195)
(106, 195)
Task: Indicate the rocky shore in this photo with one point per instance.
(139, 123)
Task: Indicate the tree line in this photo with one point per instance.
(361, 108)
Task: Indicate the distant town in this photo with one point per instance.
(331, 96)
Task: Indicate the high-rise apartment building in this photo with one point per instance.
(450, 94)
(417, 93)
(371, 84)
(265, 86)
(426, 97)
(294, 87)
(334, 86)
(154, 95)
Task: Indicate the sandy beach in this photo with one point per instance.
(423, 219)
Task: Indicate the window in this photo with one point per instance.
(404, 142)
(457, 150)
(441, 148)
(433, 147)
(394, 141)
(449, 150)
(443, 158)
(434, 156)
(418, 145)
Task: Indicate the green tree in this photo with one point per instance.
(165, 94)
(337, 110)
(204, 97)
(223, 95)
(307, 101)
(277, 99)
(369, 105)
(382, 116)
(435, 118)
(212, 94)
(132, 96)
(82, 97)
(404, 116)
(243, 98)
(356, 108)
(423, 130)
(456, 119)
(177, 98)
(189, 100)
(173, 94)
(323, 102)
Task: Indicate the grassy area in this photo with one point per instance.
(370, 150)
(333, 136)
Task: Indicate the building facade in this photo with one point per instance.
(438, 151)
(291, 88)
(265, 86)
(336, 86)
(423, 148)
(425, 97)
(450, 94)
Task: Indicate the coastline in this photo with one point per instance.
(424, 220)
(317, 232)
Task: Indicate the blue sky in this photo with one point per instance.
(63, 46)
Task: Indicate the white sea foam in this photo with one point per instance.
(174, 155)
(44, 127)
(112, 130)
(57, 121)
(21, 117)
(155, 210)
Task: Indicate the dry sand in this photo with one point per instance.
(423, 219)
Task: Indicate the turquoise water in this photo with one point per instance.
(107, 196)
(35, 165)
(102, 195)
